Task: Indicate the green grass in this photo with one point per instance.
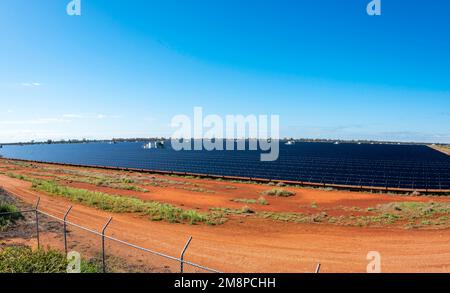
(294, 217)
(244, 200)
(408, 214)
(117, 181)
(276, 216)
(400, 214)
(416, 209)
(227, 211)
(123, 183)
(16, 176)
(197, 189)
(7, 220)
(261, 200)
(416, 214)
(278, 192)
(118, 204)
(95, 178)
(22, 259)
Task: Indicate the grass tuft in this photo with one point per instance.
(7, 220)
(118, 204)
(262, 201)
(244, 200)
(278, 192)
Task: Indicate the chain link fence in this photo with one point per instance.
(108, 253)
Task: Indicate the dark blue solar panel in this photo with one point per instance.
(393, 166)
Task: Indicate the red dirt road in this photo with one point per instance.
(258, 245)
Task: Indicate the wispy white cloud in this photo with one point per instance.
(99, 116)
(53, 127)
(105, 116)
(31, 84)
(76, 116)
(36, 121)
(64, 118)
(9, 135)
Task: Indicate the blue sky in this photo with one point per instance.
(125, 68)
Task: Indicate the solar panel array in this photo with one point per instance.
(384, 166)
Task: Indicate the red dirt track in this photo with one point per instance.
(250, 244)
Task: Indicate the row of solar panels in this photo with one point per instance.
(285, 158)
(373, 172)
(303, 164)
(322, 171)
(316, 176)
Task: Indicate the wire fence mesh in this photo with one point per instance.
(56, 230)
(85, 243)
(28, 227)
(121, 258)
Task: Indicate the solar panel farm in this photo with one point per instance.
(320, 203)
(385, 167)
(252, 144)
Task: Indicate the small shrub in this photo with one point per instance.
(91, 266)
(127, 180)
(244, 200)
(279, 192)
(426, 222)
(21, 259)
(7, 220)
(262, 201)
(197, 189)
(247, 210)
(16, 176)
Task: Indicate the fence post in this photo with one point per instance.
(36, 213)
(182, 254)
(103, 244)
(65, 228)
(318, 268)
